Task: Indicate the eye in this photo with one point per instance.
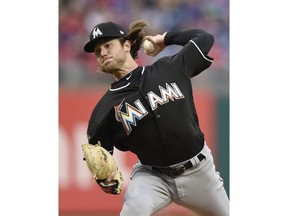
(97, 52)
(108, 45)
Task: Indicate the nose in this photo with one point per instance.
(103, 51)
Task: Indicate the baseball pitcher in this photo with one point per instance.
(150, 111)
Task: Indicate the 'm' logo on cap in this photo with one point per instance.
(96, 32)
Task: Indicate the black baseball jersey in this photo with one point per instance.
(151, 110)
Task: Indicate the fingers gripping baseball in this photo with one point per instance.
(154, 44)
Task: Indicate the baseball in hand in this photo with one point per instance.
(148, 46)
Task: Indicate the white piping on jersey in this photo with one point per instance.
(201, 51)
(120, 87)
(116, 89)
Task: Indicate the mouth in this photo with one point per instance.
(106, 61)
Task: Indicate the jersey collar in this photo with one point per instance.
(125, 81)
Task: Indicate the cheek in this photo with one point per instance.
(119, 54)
(98, 60)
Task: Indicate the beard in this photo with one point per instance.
(115, 64)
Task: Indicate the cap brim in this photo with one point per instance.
(89, 47)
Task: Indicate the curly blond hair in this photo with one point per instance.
(135, 36)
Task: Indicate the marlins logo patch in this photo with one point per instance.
(132, 113)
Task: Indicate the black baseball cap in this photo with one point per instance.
(103, 30)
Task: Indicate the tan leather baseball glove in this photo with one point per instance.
(101, 164)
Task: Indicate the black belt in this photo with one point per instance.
(176, 171)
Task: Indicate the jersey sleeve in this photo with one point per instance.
(99, 128)
(193, 58)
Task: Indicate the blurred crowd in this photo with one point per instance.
(78, 17)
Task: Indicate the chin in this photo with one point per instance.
(108, 70)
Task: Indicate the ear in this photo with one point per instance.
(127, 46)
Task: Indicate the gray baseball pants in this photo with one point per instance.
(199, 189)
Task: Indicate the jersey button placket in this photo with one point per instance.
(159, 124)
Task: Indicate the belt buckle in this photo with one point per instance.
(177, 171)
